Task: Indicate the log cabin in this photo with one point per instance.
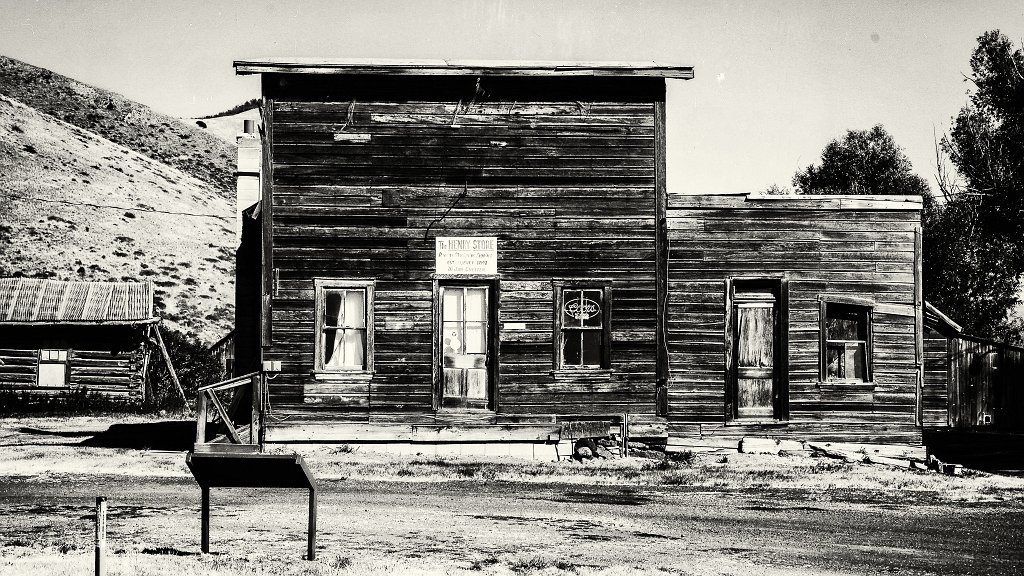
(61, 337)
(487, 251)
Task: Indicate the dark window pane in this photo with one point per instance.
(332, 307)
(332, 346)
(591, 309)
(572, 348)
(845, 323)
(571, 308)
(834, 362)
(592, 347)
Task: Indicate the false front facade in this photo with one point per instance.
(487, 251)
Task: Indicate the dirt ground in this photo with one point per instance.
(382, 514)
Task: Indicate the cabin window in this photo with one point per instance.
(846, 335)
(52, 368)
(344, 326)
(583, 327)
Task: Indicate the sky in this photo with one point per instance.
(774, 81)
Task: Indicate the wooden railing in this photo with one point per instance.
(237, 403)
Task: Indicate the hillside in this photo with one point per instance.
(177, 143)
(74, 204)
(227, 127)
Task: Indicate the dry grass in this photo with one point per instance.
(50, 562)
(60, 544)
(51, 450)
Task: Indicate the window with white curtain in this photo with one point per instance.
(344, 326)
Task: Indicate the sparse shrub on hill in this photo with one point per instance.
(194, 364)
(238, 109)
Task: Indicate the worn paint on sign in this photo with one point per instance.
(466, 255)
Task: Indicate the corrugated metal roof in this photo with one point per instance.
(57, 301)
(386, 66)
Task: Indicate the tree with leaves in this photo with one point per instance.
(974, 240)
(862, 162)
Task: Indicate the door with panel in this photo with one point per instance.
(465, 352)
(754, 358)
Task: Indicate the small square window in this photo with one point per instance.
(846, 342)
(52, 368)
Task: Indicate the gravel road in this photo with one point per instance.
(670, 529)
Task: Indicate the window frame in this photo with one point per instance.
(66, 363)
(867, 308)
(321, 287)
(559, 287)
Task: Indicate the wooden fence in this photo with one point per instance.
(985, 384)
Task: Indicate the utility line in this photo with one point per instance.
(127, 208)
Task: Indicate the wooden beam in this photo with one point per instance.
(229, 383)
(232, 433)
(425, 67)
(255, 422)
(201, 419)
(919, 320)
(170, 367)
(661, 257)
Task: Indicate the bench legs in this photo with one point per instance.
(205, 544)
(311, 537)
(205, 521)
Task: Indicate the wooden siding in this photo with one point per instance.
(849, 248)
(934, 392)
(366, 174)
(119, 376)
(973, 384)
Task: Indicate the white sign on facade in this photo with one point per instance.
(466, 255)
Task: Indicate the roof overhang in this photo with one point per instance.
(390, 67)
(944, 324)
(135, 322)
(748, 201)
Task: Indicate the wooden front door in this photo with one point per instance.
(754, 359)
(465, 346)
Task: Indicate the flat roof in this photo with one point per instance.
(757, 200)
(426, 67)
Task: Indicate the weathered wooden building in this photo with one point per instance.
(795, 316)
(58, 337)
(486, 251)
(970, 383)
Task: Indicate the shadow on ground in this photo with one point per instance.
(168, 435)
(998, 452)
